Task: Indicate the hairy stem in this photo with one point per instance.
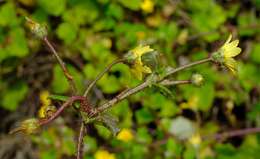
(145, 84)
(171, 83)
(187, 66)
(62, 65)
(80, 140)
(100, 75)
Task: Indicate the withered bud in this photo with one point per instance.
(28, 126)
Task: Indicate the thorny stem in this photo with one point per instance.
(100, 75)
(80, 140)
(144, 85)
(62, 65)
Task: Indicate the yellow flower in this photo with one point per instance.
(195, 140)
(46, 111)
(138, 67)
(229, 50)
(147, 6)
(125, 135)
(103, 154)
(44, 98)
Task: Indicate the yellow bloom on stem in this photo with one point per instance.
(195, 140)
(147, 6)
(45, 101)
(103, 154)
(226, 53)
(138, 68)
(125, 135)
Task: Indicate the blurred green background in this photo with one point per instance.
(89, 34)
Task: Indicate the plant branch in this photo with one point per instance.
(69, 102)
(62, 65)
(100, 75)
(145, 84)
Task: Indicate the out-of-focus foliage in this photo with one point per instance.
(89, 34)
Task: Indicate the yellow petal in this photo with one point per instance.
(146, 69)
(137, 73)
(140, 50)
(232, 52)
(234, 43)
(229, 39)
(231, 64)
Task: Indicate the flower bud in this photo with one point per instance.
(40, 31)
(28, 126)
(197, 79)
(151, 60)
(218, 57)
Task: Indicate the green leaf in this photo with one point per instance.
(173, 149)
(8, 15)
(255, 53)
(67, 32)
(133, 4)
(143, 135)
(83, 12)
(54, 7)
(144, 116)
(114, 10)
(59, 83)
(18, 46)
(14, 95)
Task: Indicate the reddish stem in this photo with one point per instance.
(69, 102)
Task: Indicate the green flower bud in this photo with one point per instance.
(151, 60)
(197, 79)
(218, 57)
(28, 126)
(40, 31)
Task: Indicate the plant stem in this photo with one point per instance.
(234, 133)
(100, 75)
(69, 102)
(62, 65)
(171, 83)
(80, 140)
(187, 66)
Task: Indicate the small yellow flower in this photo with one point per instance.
(45, 101)
(138, 67)
(195, 140)
(226, 53)
(125, 135)
(103, 154)
(147, 6)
